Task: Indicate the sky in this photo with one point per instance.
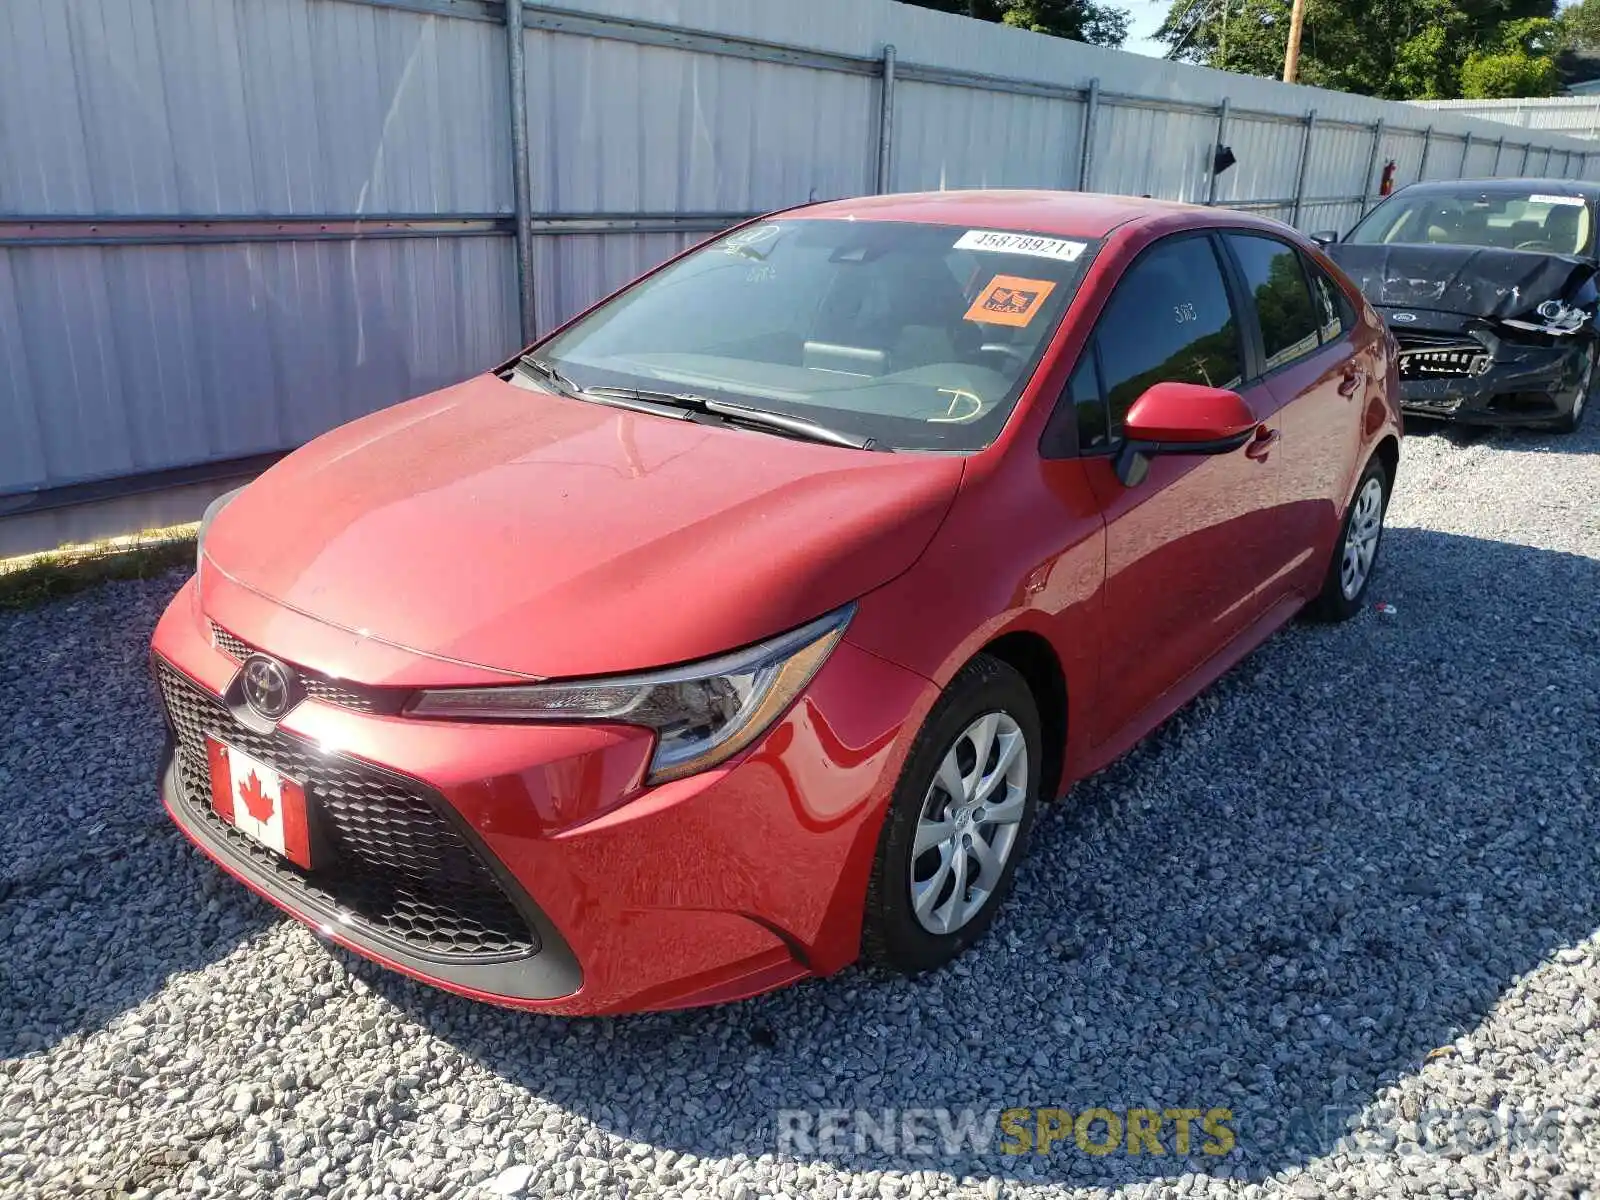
(1147, 15)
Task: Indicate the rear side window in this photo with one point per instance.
(1275, 274)
(1168, 321)
(1335, 316)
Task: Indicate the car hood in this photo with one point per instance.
(524, 532)
(1468, 280)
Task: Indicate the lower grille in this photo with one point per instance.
(400, 873)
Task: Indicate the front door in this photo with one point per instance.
(1187, 548)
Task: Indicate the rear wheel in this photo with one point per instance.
(958, 822)
(1356, 552)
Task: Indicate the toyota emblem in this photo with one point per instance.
(267, 686)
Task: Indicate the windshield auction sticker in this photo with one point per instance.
(1010, 300)
(1021, 243)
(1566, 201)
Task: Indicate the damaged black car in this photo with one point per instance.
(1489, 288)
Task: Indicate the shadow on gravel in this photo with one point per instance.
(100, 897)
(1335, 862)
(1509, 437)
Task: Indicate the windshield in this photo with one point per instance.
(1554, 224)
(921, 337)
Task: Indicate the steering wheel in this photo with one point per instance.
(1531, 244)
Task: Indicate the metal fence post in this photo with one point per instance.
(1305, 165)
(1372, 166)
(1091, 114)
(1427, 150)
(1466, 156)
(1222, 134)
(886, 124)
(1527, 153)
(516, 73)
(1499, 149)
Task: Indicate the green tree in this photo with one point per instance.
(1080, 20)
(1507, 74)
(1580, 25)
(1397, 49)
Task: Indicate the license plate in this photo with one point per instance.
(264, 805)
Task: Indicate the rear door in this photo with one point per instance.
(1309, 362)
(1186, 548)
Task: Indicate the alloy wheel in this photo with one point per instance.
(969, 823)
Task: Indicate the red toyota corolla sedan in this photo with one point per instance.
(737, 629)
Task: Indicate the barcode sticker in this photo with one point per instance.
(1021, 243)
(1569, 201)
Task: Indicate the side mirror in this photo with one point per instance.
(1181, 418)
(1326, 237)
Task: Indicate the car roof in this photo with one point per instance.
(1066, 214)
(1520, 187)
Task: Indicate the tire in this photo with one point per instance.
(987, 693)
(1570, 421)
(1344, 589)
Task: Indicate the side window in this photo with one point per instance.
(1290, 326)
(1335, 317)
(1169, 320)
(1089, 403)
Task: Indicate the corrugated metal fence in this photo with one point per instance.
(228, 225)
(1574, 116)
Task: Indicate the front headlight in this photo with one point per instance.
(702, 714)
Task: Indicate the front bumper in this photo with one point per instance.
(1525, 385)
(612, 897)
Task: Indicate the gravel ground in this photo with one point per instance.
(1354, 887)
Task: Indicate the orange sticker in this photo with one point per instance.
(1009, 300)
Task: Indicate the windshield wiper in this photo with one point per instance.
(760, 417)
(550, 372)
(566, 387)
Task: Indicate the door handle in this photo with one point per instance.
(1261, 445)
(1351, 383)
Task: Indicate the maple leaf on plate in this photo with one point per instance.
(256, 801)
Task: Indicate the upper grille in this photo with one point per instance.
(399, 870)
(318, 687)
(1442, 360)
(229, 644)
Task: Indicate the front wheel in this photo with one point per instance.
(1356, 552)
(1574, 416)
(958, 821)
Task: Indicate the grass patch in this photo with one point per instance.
(35, 579)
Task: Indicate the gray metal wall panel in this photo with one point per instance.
(151, 357)
(1340, 156)
(1405, 151)
(1269, 159)
(953, 137)
(1145, 151)
(576, 270)
(622, 128)
(248, 106)
(1574, 116)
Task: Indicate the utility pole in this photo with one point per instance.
(1291, 59)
